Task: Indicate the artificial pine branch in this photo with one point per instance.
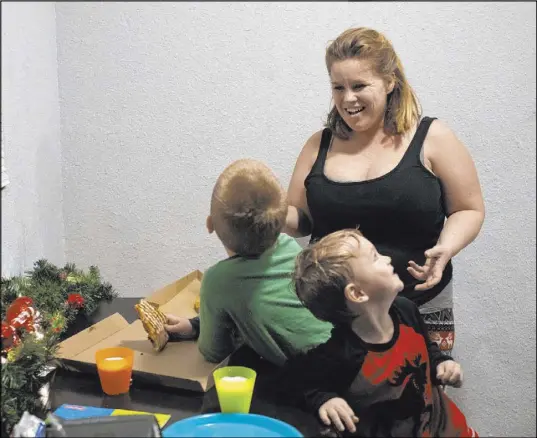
(50, 286)
(24, 370)
(23, 375)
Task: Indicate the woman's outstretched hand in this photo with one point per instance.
(430, 273)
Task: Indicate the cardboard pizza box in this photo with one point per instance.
(179, 365)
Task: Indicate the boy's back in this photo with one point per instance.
(255, 297)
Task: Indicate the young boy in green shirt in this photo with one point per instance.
(248, 297)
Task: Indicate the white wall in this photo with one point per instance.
(157, 98)
(32, 218)
(482, 83)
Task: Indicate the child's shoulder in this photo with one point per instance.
(405, 304)
(286, 242)
(235, 268)
(217, 271)
(285, 246)
(214, 275)
(407, 310)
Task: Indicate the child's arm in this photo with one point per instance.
(338, 413)
(215, 340)
(195, 323)
(182, 329)
(313, 381)
(444, 370)
(450, 373)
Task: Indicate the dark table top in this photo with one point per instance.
(70, 387)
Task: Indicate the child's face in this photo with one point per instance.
(373, 272)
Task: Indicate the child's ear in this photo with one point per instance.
(354, 294)
(209, 224)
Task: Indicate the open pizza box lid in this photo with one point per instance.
(179, 365)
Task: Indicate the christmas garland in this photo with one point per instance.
(36, 309)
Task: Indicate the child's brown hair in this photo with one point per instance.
(248, 207)
(322, 272)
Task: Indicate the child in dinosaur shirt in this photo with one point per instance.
(378, 374)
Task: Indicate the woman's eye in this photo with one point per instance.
(338, 88)
(358, 86)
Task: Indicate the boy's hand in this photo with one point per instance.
(179, 325)
(336, 411)
(449, 372)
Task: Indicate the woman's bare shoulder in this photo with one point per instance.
(306, 159)
(314, 141)
(311, 147)
(440, 132)
(438, 136)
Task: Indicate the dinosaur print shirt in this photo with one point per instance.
(391, 387)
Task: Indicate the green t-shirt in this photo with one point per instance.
(254, 299)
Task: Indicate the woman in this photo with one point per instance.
(407, 182)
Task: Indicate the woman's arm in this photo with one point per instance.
(299, 222)
(451, 162)
(465, 209)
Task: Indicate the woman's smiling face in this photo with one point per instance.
(359, 93)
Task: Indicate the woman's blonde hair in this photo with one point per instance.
(402, 107)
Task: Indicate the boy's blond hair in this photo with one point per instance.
(248, 207)
(322, 271)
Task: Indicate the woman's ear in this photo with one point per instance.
(354, 294)
(390, 85)
(209, 224)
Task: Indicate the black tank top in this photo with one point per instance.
(402, 212)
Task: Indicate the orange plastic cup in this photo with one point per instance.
(114, 366)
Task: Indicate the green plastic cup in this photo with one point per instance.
(234, 387)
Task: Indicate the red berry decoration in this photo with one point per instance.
(75, 300)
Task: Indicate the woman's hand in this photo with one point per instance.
(431, 272)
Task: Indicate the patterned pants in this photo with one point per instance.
(441, 327)
(438, 317)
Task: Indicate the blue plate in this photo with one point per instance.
(230, 425)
